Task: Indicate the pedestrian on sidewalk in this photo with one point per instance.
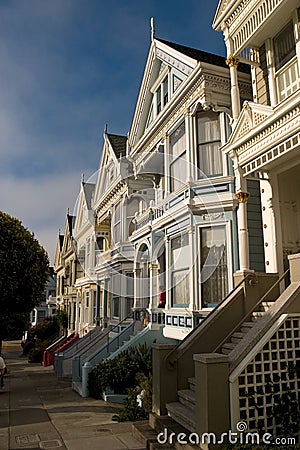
(2, 371)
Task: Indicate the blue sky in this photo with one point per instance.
(68, 67)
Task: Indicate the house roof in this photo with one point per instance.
(88, 189)
(60, 240)
(71, 221)
(202, 56)
(118, 144)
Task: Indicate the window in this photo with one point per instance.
(132, 206)
(158, 100)
(87, 255)
(94, 306)
(130, 293)
(213, 263)
(178, 169)
(117, 223)
(284, 46)
(165, 91)
(150, 117)
(87, 305)
(41, 315)
(209, 157)
(116, 306)
(180, 260)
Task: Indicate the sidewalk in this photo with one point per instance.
(39, 411)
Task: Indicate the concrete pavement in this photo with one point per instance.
(39, 411)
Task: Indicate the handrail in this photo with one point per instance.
(238, 326)
(129, 316)
(214, 311)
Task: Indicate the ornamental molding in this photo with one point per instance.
(247, 18)
(272, 134)
(111, 198)
(172, 61)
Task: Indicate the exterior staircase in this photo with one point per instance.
(183, 411)
(246, 326)
(214, 350)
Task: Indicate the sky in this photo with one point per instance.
(68, 68)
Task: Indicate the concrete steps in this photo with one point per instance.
(237, 336)
(162, 432)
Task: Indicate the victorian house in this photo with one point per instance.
(114, 256)
(218, 378)
(84, 314)
(184, 237)
(65, 267)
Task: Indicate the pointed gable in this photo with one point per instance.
(68, 234)
(166, 69)
(251, 116)
(223, 6)
(114, 148)
(118, 144)
(169, 67)
(58, 251)
(84, 206)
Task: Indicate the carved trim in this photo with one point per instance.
(247, 18)
(197, 92)
(242, 196)
(269, 135)
(232, 61)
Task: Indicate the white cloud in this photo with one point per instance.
(41, 205)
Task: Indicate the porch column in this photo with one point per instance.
(154, 294)
(189, 145)
(191, 232)
(105, 304)
(72, 319)
(137, 288)
(98, 299)
(232, 62)
(243, 230)
(212, 395)
(168, 272)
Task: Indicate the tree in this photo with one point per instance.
(24, 270)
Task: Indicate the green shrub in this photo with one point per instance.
(36, 353)
(138, 404)
(44, 330)
(120, 374)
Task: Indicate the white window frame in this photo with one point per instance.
(227, 224)
(202, 143)
(175, 159)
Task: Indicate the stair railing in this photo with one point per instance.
(251, 311)
(129, 316)
(172, 360)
